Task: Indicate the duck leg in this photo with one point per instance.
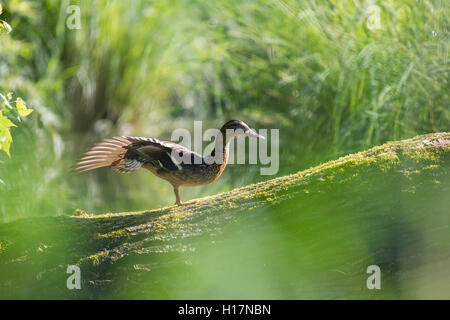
(177, 196)
(178, 201)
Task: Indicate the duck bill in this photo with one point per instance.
(252, 133)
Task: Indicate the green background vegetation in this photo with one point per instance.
(313, 69)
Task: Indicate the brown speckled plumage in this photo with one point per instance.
(127, 154)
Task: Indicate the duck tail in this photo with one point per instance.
(108, 153)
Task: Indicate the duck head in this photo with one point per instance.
(239, 128)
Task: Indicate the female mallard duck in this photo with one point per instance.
(127, 154)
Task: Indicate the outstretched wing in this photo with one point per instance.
(103, 154)
(127, 154)
(160, 153)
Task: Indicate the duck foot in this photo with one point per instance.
(178, 199)
(185, 203)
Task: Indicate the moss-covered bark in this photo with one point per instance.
(359, 203)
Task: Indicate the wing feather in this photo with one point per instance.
(127, 154)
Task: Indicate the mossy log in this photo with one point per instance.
(385, 206)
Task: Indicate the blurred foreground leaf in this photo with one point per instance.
(22, 108)
(5, 135)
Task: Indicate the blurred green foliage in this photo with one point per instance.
(320, 71)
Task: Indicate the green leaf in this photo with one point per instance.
(22, 108)
(4, 27)
(5, 122)
(5, 135)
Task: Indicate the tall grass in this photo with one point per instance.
(317, 70)
(334, 83)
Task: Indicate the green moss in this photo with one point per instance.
(95, 258)
(112, 234)
(81, 213)
(3, 246)
(41, 248)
